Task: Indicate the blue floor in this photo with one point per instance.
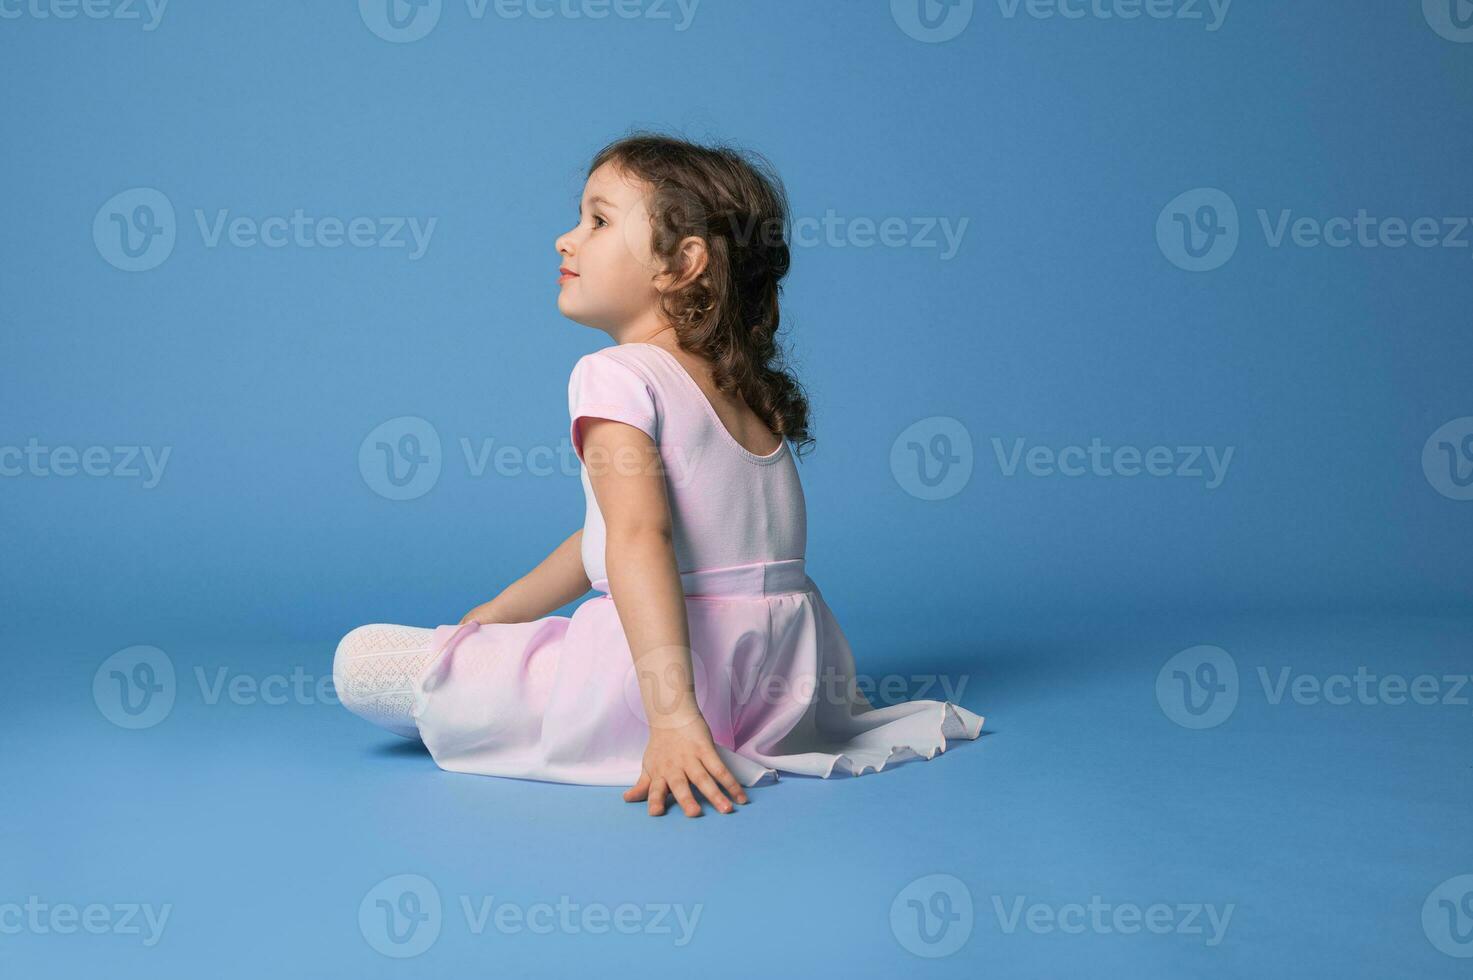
(1087, 833)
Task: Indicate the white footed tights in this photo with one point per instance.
(374, 671)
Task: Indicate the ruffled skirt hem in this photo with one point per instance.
(557, 700)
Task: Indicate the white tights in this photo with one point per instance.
(374, 671)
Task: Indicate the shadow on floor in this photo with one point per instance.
(399, 748)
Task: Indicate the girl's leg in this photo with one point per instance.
(374, 671)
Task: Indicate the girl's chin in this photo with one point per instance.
(571, 312)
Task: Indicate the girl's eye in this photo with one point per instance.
(596, 220)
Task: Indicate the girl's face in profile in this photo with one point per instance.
(609, 250)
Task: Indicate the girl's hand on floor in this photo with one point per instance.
(481, 614)
(674, 759)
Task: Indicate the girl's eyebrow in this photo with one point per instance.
(599, 200)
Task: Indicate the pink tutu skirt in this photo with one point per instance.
(557, 699)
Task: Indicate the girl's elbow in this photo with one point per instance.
(636, 533)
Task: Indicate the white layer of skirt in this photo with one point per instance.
(557, 699)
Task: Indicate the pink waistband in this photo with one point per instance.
(761, 578)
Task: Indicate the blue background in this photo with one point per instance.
(1060, 319)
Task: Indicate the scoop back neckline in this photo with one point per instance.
(771, 457)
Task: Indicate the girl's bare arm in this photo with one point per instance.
(628, 481)
(556, 581)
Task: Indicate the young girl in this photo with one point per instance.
(710, 659)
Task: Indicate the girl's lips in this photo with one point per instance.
(567, 277)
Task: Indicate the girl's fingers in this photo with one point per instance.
(705, 772)
(717, 768)
(658, 791)
(683, 796)
(639, 791)
(717, 798)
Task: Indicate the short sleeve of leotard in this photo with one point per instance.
(603, 387)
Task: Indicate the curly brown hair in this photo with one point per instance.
(729, 314)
